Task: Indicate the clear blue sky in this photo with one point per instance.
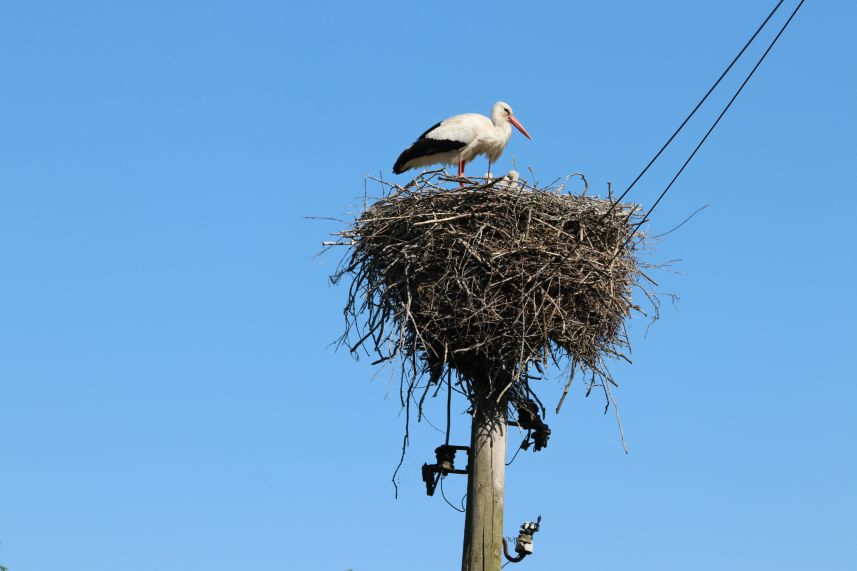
(170, 400)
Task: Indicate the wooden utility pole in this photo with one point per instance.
(483, 522)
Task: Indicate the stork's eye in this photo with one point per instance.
(509, 111)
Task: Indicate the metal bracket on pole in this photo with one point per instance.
(445, 453)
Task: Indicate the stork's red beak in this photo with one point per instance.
(520, 127)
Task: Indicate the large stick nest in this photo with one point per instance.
(490, 281)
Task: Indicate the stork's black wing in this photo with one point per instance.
(424, 147)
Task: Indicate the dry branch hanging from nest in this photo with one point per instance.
(490, 281)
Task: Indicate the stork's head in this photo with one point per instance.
(502, 113)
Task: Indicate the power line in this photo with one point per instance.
(448, 404)
(515, 455)
(442, 493)
(695, 109)
(716, 121)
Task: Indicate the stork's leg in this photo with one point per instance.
(461, 171)
(488, 176)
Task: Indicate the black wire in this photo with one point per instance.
(448, 403)
(448, 425)
(719, 117)
(444, 496)
(691, 114)
(515, 455)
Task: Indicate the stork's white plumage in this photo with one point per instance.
(462, 138)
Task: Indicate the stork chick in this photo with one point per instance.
(509, 181)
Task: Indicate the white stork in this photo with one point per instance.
(462, 138)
